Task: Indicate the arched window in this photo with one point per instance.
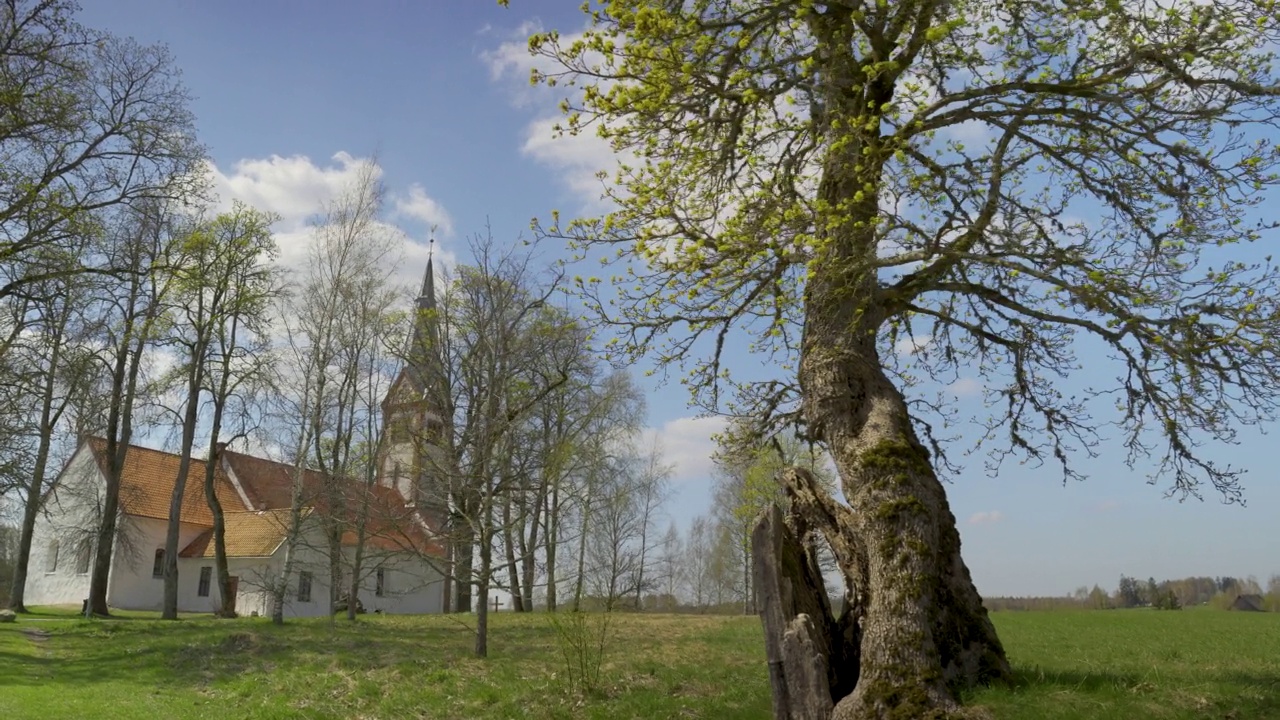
(157, 569)
(83, 556)
(51, 560)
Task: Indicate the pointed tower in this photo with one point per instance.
(412, 416)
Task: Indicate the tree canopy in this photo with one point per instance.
(998, 187)
(996, 181)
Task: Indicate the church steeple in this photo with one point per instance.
(427, 296)
(413, 422)
(423, 338)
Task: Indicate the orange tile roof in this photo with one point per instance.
(390, 523)
(146, 485)
(248, 534)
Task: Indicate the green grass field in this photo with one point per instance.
(1118, 664)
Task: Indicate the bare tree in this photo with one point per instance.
(55, 359)
(588, 414)
(497, 352)
(337, 326)
(652, 480)
(90, 123)
(624, 504)
(699, 548)
(142, 243)
(670, 568)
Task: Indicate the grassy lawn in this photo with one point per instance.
(1120, 664)
(1195, 663)
(380, 667)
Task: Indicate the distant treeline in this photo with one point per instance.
(1219, 592)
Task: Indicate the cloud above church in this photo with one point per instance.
(297, 189)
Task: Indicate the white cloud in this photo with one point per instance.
(911, 345)
(294, 186)
(578, 158)
(512, 63)
(966, 387)
(986, 517)
(687, 445)
(417, 205)
(297, 189)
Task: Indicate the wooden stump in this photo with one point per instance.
(808, 649)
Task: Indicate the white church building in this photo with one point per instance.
(404, 565)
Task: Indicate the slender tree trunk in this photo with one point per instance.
(169, 610)
(582, 553)
(221, 569)
(353, 592)
(644, 548)
(486, 565)
(280, 588)
(553, 541)
(464, 553)
(119, 433)
(528, 550)
(361, 525)
(333, 534)
(529, 543)
(280, 591)
(35, 489)
(29, 515)
(509, 535)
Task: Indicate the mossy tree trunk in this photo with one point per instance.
(922, 627)
(923, 632)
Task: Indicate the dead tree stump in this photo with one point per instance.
(810, 652)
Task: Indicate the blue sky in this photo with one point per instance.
(288, 93)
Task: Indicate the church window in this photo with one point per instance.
(381, 588)
(51, 560)
(82, 557)
(157, 567)
(304, 586)
(206, 579)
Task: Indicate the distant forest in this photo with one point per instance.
(1217, 592)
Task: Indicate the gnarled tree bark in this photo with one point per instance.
(911, 616)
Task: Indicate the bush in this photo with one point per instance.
(583, 640)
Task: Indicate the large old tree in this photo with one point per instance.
(1028, 185)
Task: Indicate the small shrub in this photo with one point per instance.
(583, 640)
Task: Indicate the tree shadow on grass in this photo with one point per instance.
(197, 654)
(1216, 693)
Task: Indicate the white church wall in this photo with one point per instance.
(69, 520)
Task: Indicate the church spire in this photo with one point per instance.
(427, 296)
(424, 336)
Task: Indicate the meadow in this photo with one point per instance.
(1069, 664)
